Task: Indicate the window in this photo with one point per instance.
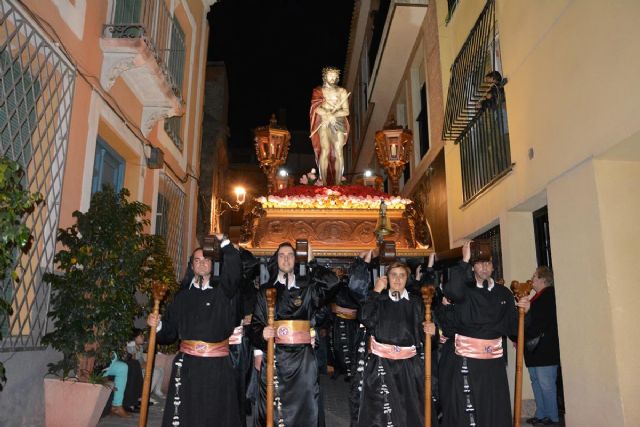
(18, 114)
(169, 220)
(108, 168)
(127, 12)
(177, 54)
(542, 237)
(162, 215)
(423, 122)
(172, 126)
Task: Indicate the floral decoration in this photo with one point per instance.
(311, 178)
(333, 197)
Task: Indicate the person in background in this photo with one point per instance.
(135, 348)
(542, 348)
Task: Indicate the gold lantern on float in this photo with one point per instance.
(393, 148)
(272, 146)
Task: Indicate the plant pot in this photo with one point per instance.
(72, 403)
(165, 361)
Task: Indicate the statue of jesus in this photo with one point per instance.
(329, 126)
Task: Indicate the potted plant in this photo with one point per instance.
(93, 304)
(159, 268)
(15, 203)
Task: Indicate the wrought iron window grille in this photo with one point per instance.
(476, 113)
(471, 75)
(170, 219)
(36, 93)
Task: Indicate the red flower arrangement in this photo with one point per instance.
(339, 190)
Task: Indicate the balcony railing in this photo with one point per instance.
(485, 156)
(151, 21)
(469, 83)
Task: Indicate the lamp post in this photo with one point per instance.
(220, 206)
(272, 146)
(393, 147)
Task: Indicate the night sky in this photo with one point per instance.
(274, 52)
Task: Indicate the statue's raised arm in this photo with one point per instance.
(329, 126)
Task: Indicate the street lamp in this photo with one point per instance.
(272, 146)
(393, 147)
(219, 206)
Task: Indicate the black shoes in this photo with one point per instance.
(533, 421)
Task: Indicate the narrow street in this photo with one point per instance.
(336, 408)
(335, 392)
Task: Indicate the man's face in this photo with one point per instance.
(286, 259)
(397, 279)
(483, 270)
(538, 283)
(331, 77)
(201, 265)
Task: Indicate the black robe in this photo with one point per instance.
(242, 354)
(297, 388)
(479, 390)
(541, 321)
(359, 288)
(202, 390)
(344, 334)
(393, 390)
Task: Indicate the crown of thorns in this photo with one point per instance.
(327, 70)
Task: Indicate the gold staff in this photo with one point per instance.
(519, 289)
(159, 291)
(427, 295)
(271, 308)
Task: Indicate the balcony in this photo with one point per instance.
(144, 44)
(389, 53)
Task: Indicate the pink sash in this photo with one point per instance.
(389, 351)
(476, 348)
(205, 349)
(293, 332)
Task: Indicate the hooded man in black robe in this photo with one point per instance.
(296, 384)
(483, 313)
(202, 391)
(393, 377)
